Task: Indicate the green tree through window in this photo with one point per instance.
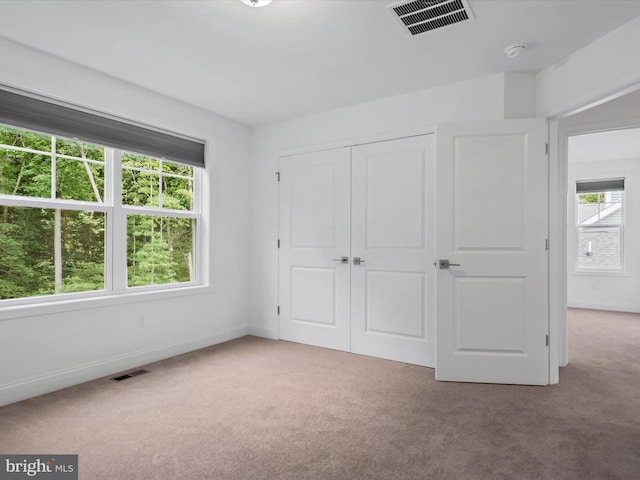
(54, 210)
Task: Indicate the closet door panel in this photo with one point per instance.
(314, 230)
(392, 279)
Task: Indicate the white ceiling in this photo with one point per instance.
(294, 57)
(612, 145)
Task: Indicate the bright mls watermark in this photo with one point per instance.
(50, 467)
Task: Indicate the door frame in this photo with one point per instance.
(558, 198)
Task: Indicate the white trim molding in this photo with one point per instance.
(31, 387)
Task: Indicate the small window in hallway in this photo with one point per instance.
(600, 224)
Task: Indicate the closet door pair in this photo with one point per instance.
(356, 249)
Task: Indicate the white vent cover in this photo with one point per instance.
(420, 16)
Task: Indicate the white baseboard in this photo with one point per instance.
(604, 306)
(262, 331)
(32, 387)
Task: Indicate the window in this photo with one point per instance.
(600, 225)
(80, 218)
(158, 200)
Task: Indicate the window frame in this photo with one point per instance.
(624, 235)
(116, 289)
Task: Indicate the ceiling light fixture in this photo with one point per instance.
(257, 3)
(514, 50)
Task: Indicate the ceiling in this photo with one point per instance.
(295, 57)
(612, 145)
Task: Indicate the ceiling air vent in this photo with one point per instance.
(420, 16)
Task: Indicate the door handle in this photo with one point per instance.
(341, 259)
(444, 264)
(358, 261)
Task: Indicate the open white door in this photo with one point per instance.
(491, 229)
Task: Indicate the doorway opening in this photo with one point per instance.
(599, 150)
(602, 270)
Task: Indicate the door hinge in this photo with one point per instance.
(546, 340)
(278, 243)
(546, 149)
(278, 309)
(278, 175)
(546, 244)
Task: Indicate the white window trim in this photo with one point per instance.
(70, 302)
(623, 271)
(116, 291)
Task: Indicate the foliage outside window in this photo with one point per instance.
(159, 247)
(60, 217)
(600, 228)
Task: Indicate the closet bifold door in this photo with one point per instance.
(392, 248)
(314, 230)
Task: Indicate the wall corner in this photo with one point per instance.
(519, 95)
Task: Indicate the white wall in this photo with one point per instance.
(46, 349)
(602, 69)
(608, 292)
(479, 99)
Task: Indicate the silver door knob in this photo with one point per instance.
(444, 264)
(341, 259)
(358, 261)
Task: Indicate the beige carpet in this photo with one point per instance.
(260, 409)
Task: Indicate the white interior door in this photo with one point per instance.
(491, 220)
(392, 286)
(314, 235)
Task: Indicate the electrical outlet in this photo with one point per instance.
(141, 321)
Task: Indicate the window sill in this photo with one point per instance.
(99, 300)
(601, 273)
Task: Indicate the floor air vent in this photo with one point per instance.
(420, 16)
(135, 373)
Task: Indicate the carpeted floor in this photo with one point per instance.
(260, 409)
